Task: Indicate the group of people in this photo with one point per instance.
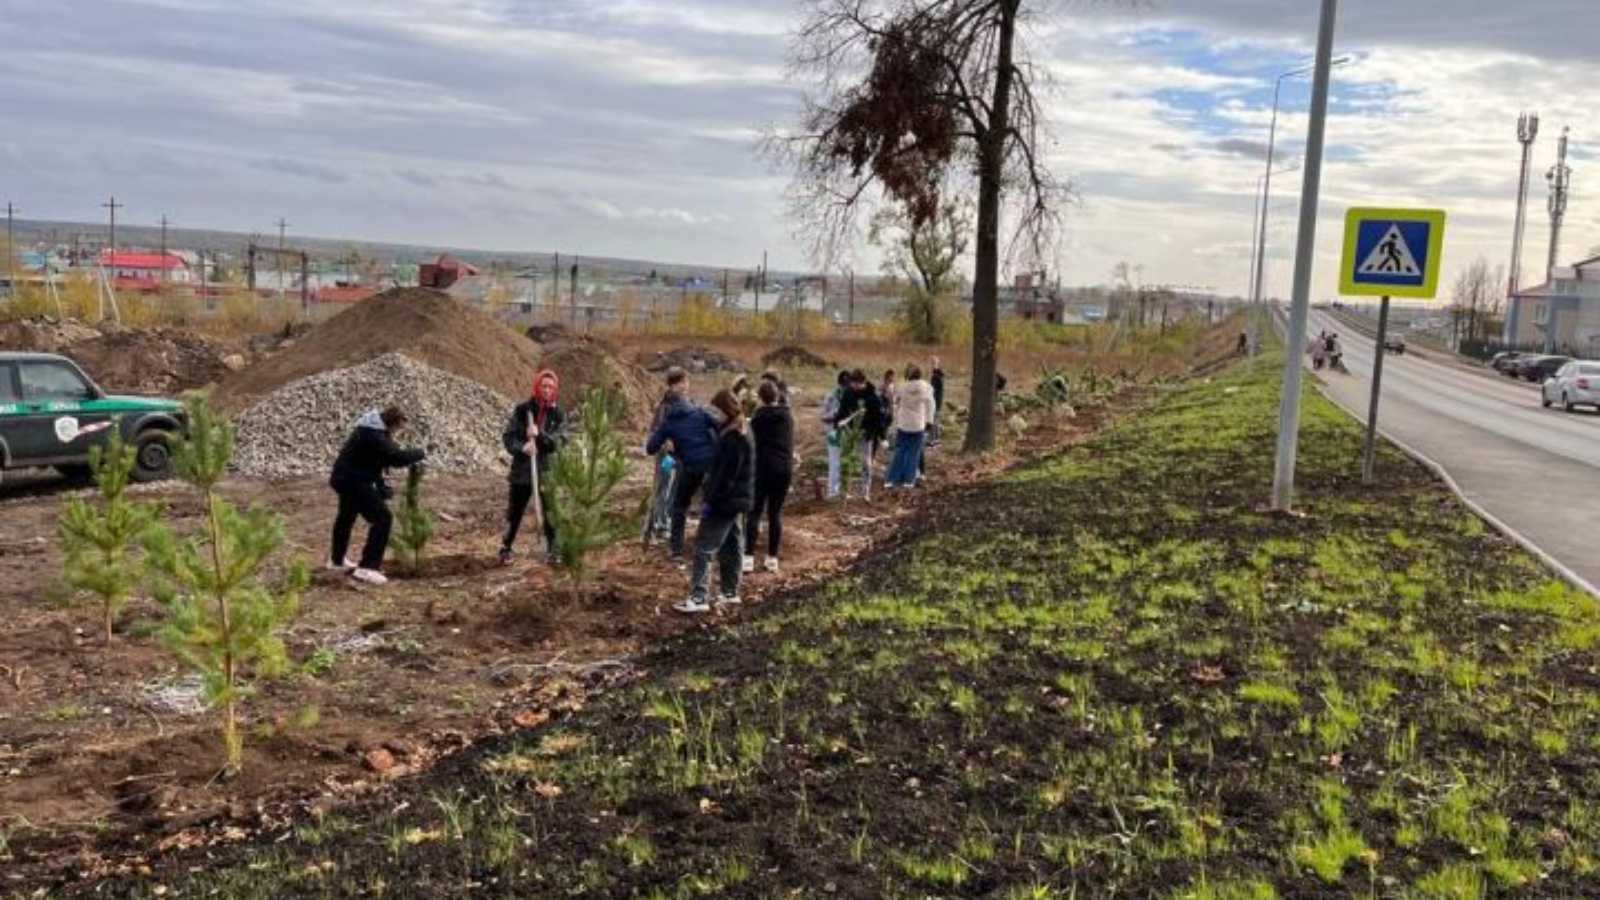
(736, 454)
(1326, 350)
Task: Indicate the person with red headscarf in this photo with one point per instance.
(536, 430)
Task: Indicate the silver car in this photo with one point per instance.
(1575, 384)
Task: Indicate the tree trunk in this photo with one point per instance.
(986, 274)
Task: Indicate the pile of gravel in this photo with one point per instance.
(299, 428)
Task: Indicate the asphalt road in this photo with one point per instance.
(1536, 470)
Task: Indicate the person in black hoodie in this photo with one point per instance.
(535, 431)
(358, 480)
(728, 488)
(773, 429)
(863, 399)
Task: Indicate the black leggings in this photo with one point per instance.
(516, 506)
(771, 490)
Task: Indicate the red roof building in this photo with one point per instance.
(447, 270)
(141, 271)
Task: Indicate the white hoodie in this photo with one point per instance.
(913, 406)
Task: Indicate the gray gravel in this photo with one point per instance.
(299, 428)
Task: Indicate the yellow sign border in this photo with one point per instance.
(1352, 229)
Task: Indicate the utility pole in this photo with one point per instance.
(282, 226)
(11, 250)
(1527, 133)
(113, 205)
(1560, 178)
(574, 285)
(166, 272)
(852, 302)
(1304, 262)
(555, 289)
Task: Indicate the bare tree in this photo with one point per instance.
(927, 253)
(1476, 299)
(917, 100)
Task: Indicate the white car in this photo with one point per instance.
(1575, 384)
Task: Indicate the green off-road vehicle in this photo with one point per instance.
(51, 413)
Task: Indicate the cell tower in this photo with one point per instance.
(1560, 178)
(1527, 132)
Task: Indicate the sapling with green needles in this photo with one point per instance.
(223, 620)
(582, 485)
(413, 522)
(100, 541)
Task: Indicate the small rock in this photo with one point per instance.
(234, 362)
(401, 748)
(378, 760)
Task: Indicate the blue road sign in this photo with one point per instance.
(1392, 252)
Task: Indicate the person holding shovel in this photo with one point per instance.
(533, 434)
(358, 479)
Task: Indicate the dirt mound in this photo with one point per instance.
(790, 356)
(694, 360)
(131, 360)
(553, 333)
(299, 428)
(583, 363)
(427, 325)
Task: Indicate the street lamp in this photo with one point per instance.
(1261, 225)
(1256, 221)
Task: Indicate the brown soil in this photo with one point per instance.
(789, 356)
(427, 325)
(131, 360)
(416, 671)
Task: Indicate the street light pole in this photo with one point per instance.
(282, 226)
(1304, 262)
(1266, 199)
(11, 250)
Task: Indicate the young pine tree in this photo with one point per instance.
(413, 524)
(583, 478)
(100, 540)
(223, 620)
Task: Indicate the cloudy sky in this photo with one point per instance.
(627, 127)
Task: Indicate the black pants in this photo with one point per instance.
(772, 488)
(364, 501)
(689, 481)
(516, 506)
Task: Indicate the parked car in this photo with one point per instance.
(1516, 366)
(1542, 368)
(1504, 361)
(51, 414)
(1575, 384)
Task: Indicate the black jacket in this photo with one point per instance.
(866, 401)
(730, 487)
(937, 380)
(551, 436)
(773, 429)
(367, 453)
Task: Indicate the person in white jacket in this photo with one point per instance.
(913, 410)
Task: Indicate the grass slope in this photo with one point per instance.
(1108, 675)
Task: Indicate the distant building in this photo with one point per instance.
(1563, 314)
(444, 271)
(1032, 296)
(143, 271)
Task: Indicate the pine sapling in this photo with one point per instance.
(223, 620)
(413, 524)
(100, 541)
(583, 480)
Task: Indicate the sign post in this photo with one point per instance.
(1389, 253)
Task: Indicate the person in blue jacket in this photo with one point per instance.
(693, 434)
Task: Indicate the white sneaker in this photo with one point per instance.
(692, 605)
(771, 564)
(749, 565)
(344, 566)
(370, 576)
(728, 600)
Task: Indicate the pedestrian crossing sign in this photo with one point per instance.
(1392, 252)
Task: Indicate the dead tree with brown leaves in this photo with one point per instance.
(910, 101)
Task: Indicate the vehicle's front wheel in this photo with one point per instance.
(1566, 403)
(152, 460)
(1544, 399)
